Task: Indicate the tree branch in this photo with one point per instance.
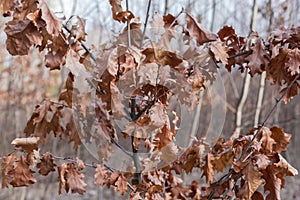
(227, 176)
(146, 22)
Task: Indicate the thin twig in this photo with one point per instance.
(120, 147)
(128, 26)
(82, 44)
(146, 22)
(238, 54)
(226, 176)
(177, 16)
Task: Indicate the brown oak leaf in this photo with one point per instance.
(258, 58)
(273, 183)
(282, 139)
(276, 70)
(292, 91)
(293, 62)
(21, 35)
(220, 52)
(169, 20)
(53, 23)
(208, 168)
(222, 161)
(266, 140)
(101, 176)
(118, 13)
(199, 33)
(7, 7)
(7, 167)
(61, 177)
(71, 179)
(261, 161)
(121, 185)
(22, 174)
(161, 57)
(57, 51)
(47, 164)
(74, 179)
(252, 180)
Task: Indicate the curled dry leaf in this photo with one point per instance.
(53, 23)
(21, 36)
(22, 174)
(7, 167)
(169, 20)
(27, 144)
(199, 33)
(71, 179)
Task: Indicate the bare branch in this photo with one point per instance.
(146, 22)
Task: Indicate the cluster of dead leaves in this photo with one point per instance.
(138, 82)
(278, 56)
(34, 25)
(19, 171)
(261, 167)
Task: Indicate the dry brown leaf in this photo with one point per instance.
(121, 185)
(74, 180)
(220, 52)
(252, 181)
(282, 139)
(47, 164)
(28, 144)
(273, 184)
(22, 174)
(61, 177)
(199, 33)
(258, 59)
(261, 161)
(53, 23)
(7, 167)
(57, 51)
(169, 20)
(162, 57)
(80, 164)
(101, 176)
(293, 62)
(267, 140)
(21, 36)
(208, 170)
(169, 153)
(7, 7)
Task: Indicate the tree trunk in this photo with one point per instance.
(246, 83)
